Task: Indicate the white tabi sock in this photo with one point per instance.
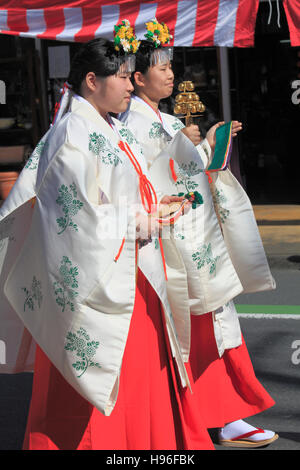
(236, 428)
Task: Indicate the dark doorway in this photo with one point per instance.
(262, 92)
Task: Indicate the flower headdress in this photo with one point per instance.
(158, 36)
(124, 38)
(158, 33)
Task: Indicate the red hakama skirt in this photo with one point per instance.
(153, 412)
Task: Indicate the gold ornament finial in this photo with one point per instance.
(188, 102)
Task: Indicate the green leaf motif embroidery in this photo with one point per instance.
(127, 135)
(177, 125)
(218, 199)
(101, 147)
(178, 236)
(64, 288)
(34, 294)
(156, 130)
(190, 169)
(85, 349)
(205, 257)
(33, 160)
(205, 149)
(70, 207)
(185, 173)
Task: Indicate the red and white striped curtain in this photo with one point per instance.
(192, 22)
(292, 11)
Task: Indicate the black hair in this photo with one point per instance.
(98, 56)
(143, 56)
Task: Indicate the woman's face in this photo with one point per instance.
(110, 94)
(158, 81)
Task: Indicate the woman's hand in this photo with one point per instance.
(147, 226)
(192, 132)
(236, 127)
(170, 199)
(211, 133)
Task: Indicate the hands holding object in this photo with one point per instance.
(169, 210)
(187, 104)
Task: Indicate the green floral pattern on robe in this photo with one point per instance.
(83, 348)
(219, 198)
(185, 173)
(101, 147)
(33, 295)
(204, 256)
(33, 160)
(70, 206)
(156, 130)
(177, 125)
(64, 288)
(127, 135)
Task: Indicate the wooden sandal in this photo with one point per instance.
(244, 440)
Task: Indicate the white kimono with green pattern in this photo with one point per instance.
(61, 228)
(219, 241)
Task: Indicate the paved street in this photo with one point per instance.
(270, 343)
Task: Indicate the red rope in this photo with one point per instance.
(208, 176)
(120, 249)
(147, 193)
(172, 168)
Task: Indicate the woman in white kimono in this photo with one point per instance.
(225, 383)
(79, 269)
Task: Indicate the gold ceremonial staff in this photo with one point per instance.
(188, 102)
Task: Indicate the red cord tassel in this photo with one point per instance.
(147, 193)
(208, 176)
(172, 168)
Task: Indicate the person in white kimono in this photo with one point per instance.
(226, 259)
(81, 269)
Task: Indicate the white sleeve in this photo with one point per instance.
(205, 152)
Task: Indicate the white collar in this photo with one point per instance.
(109, 118)
(158, 114)
(83, 100)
